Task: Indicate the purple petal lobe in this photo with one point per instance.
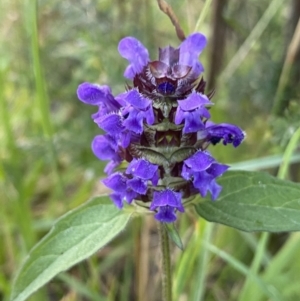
(103, 148)
(169, 55)
(93, 94)
(137, 185)
(142, 168)
(130, 195)
(166, 215)
(193, 110)
(150, 116)
(194, 101)
(193, 122)
(111, 165)
(217, 169)
(117, 199)
(116, 182)
(191, 48)
(136, 53)
(167, 197)
(215, 190)
(111, 123)
(134, 122)
(200, 161)
(134, 98)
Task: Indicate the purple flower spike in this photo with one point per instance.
(166, 201)
(159, 127)
(136, 53)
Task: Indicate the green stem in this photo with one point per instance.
(203, 14)
(166, 263)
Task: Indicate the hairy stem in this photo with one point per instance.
(166, 263)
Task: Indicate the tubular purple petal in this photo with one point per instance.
(215, 190)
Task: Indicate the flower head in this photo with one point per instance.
(161, 127)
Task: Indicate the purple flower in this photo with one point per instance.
(193, 111)
(119, 184)
(97, 95)
(133, 183)
(105, 148)
(203, 169)
(167, 202)
(214, 133)
(137, 110)
(160, 127)
(141, 171)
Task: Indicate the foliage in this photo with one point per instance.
(45, 173)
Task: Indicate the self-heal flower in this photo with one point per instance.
(193, 111)
(203, 169)
(160, 126)
(167, 202)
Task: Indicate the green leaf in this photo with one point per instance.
(174, 235)
(254, 201)
(75, 236)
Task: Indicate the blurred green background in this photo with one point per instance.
(47, 168)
